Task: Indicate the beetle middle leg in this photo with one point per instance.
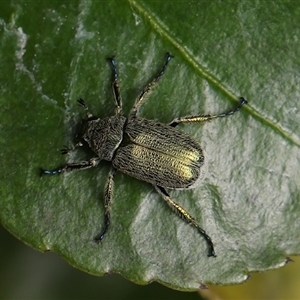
(107, 202)
(184, 215)
(147, 89)
(204, 118)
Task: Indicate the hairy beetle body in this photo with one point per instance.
(159, 154)
(145, 149)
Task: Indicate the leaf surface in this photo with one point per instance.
(54, 52)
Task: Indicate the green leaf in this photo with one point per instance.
(54, 52)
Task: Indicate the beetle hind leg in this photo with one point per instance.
(185, 216)
(108, 191)
(204, 118)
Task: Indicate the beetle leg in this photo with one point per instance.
(204, 118)
(72, 167)
(115, 86)
(148, 88)
(107, 202)
(184, 215)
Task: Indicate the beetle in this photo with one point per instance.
(148, 150)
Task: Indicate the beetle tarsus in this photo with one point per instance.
(211, 253)
(51, 172)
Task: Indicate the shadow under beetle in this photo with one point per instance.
(154, 152)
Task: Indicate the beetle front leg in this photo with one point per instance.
(108, 191)
(184, 215)
(73, 167)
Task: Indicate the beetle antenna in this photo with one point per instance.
(82, 103)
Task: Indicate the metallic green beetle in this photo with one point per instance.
(154, 152)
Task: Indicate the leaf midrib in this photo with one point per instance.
(163, 30)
